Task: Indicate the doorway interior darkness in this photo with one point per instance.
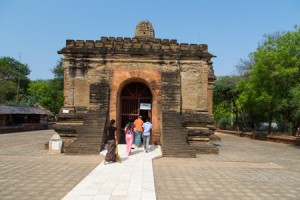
(132, 95)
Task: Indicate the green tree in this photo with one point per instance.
(225, 100)
(48, 93)
(58, 86)
(275, 73)
(13, 79)
(287, 75)
(295, 104)
(244, 67)
(58, 72)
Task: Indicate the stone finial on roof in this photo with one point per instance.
(144, 29)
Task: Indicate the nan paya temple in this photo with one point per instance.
(121, 78)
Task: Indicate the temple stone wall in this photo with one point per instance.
(210, 90)
(68, 85)
(194, 85)
(81, 89)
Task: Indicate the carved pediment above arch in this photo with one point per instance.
(144, 29)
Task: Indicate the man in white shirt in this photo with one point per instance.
(147, 126)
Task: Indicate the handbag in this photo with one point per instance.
(118, 158)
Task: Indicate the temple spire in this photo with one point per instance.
(144, 29)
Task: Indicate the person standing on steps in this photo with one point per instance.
(129, 135)
(138, 130)
(147, 126)
(111, 143)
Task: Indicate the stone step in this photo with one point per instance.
(78, 149)
(204, 147)
(90, 134)
(171, 146)
(174, 142)
(89, 137)
(87, 142)
(182, 151)
(87, 146)
(179, 155)
(84, 131)
(198, 138)
(82, 152)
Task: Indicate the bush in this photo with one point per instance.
(224, 123)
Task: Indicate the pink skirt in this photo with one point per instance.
(129, 141)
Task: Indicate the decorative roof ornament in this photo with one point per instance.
(144, 29)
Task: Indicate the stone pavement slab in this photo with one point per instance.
(130, 179)
(244, 169)
(28, 172)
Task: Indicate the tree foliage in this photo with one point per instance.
(49, 93)
(244, 66)
(225, 99)
(58, 72)
(271, 89)
(16, 88)
(13, 79)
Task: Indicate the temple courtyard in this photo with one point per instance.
(243, 169)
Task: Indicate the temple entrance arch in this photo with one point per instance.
(132, 96)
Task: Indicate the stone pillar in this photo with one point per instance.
(210, 89)
(69, 74)
(55, 144)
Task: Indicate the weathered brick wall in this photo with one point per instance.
(81, 90)
(68, 84)
(76, 84)
(171, 86)
(210, 90)
(194, 83)
(80, 74)
(98, 74)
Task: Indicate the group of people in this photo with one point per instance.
(137, 132)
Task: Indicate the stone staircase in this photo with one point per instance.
(201, 139)
(90, 135)
(200, 133)
(174, 137)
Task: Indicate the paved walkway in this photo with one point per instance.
(130, 179)
(245, 169)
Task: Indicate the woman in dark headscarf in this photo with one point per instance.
(129, 135)
(111, 143)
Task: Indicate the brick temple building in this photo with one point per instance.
(118, 78)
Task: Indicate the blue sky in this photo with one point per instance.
(34, 30)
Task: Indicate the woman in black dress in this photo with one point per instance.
(111, 143)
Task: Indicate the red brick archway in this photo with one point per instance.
(151, 79)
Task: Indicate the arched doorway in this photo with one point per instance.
(132, 96)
